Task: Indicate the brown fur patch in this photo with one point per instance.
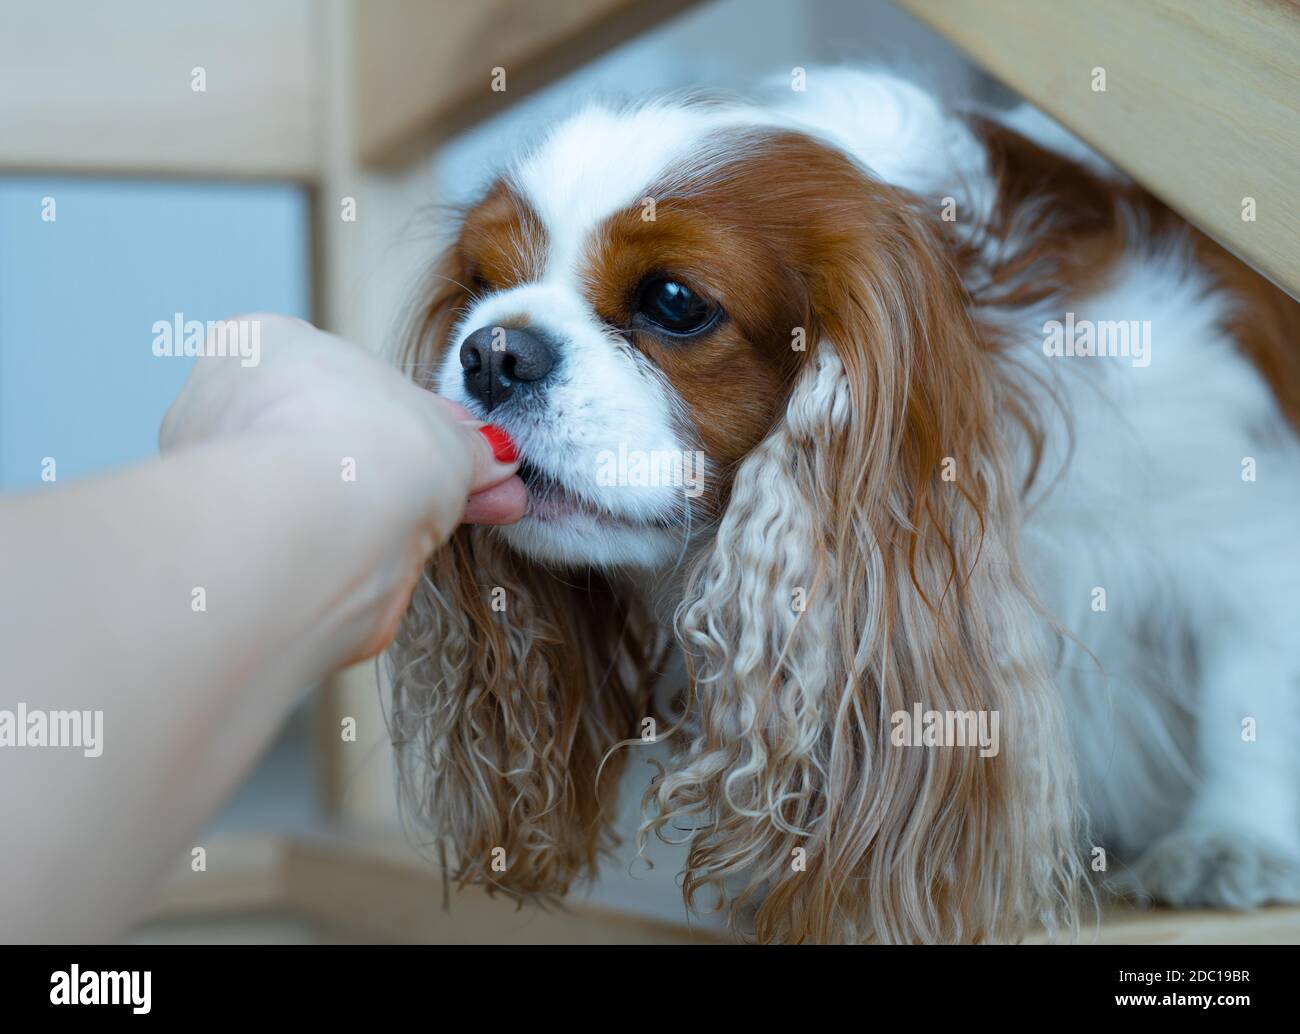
(501, 243)
(733, 378)
(1265, 324)
(781, 237)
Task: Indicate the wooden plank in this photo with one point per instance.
(1277, 924)
(390, 893)
(377, 888)
(368, 889)
(425, 67)
(245, 872)
(1201, 102)
(108, 88)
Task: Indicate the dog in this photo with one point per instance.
(880, 423)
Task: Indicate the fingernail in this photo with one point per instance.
(503, 448)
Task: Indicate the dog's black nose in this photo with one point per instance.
(496, 360)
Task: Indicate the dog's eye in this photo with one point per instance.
(672, 306)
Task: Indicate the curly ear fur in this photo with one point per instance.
(913, 595)
(503, 717)
(510, 687)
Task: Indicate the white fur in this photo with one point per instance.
(602, 393)
(897, 131)
(1198, 567)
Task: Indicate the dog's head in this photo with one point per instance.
(724, 344)
(632, 303)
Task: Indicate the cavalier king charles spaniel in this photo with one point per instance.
(852, 425)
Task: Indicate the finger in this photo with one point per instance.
(493, 453)
(501, 504)
(453, 409)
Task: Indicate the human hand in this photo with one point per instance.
(423, 465)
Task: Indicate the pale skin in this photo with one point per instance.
(302, 571)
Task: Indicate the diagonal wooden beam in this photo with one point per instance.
(1201, 103)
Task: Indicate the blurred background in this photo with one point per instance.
(298, 156)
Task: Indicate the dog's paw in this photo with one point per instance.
(1213, 867)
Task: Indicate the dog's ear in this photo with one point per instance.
(867, 564)
(510, 686)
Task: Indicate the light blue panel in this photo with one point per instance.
(79, 296)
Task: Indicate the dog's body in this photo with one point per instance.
(923, 490)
